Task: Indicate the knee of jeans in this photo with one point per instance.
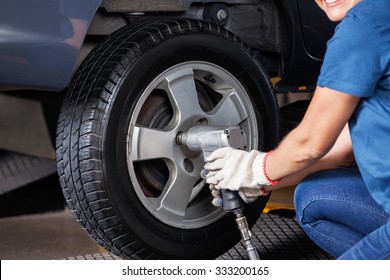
(302, 198)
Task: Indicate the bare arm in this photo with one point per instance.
(341, 155)
(299, 153)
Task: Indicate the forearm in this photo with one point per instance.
(340, 156)
(324, 124)
(292, 156)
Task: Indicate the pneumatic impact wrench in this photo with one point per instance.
(207, 139)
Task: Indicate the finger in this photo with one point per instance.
(211, 180)
(220, 153)
(206, 173)
(215, 165)
(217, 198)
(254, 192)
(245, 198)
(251, 192)
(217, 201)
(225, 185)
(216, 193)
(217, 176)
(220, 175)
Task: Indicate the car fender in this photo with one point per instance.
(40, 41)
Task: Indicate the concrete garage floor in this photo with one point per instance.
(54, 235)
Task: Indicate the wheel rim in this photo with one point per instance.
(165, 175)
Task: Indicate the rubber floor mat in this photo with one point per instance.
(276, 238)
(17, 170)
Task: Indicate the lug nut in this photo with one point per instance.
(179, 138)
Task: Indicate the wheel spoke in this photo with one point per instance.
(228, 111)
(151, 144)
(176, 194)
(182, 93)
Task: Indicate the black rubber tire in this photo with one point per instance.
(92, 129)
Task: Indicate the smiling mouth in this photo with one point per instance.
(332, 3)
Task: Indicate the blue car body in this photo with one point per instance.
(41, 40)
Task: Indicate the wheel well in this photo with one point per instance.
(260, 24)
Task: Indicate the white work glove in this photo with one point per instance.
(237, 170)
(247, 195)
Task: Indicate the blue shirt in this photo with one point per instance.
(357, 62)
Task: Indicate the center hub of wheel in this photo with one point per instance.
(207, 139)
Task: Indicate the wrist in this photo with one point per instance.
(259, 169)
(271, 181)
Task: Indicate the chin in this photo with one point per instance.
(335, 17)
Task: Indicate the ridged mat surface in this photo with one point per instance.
(17, 170)
(276, 237)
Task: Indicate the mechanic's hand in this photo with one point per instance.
(247, 195)
(235, 169)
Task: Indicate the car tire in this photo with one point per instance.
(129, 184)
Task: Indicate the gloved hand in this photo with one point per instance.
(237, 170)
(247, 195)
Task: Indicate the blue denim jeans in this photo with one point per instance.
(337, 212)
